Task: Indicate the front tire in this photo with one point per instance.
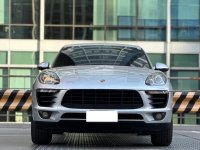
(164, 137)
(38, 135)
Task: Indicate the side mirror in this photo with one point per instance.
(162, 67)
(43, 65)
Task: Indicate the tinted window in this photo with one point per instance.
(101, 55)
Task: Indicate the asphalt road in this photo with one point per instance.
(17, 137)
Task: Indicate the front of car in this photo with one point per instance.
(102, 88)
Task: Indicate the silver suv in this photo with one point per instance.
(102, 88)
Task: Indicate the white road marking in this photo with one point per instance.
(14, 135)
(198, 132)
(181, 131)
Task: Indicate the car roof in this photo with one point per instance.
(101, 44)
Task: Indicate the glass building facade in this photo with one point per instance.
(112, 20)
(32, 31)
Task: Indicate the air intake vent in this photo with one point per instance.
(158, 100)
(130, 116)
(45, 98)
(74, 116)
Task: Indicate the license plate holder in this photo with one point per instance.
(101, 116)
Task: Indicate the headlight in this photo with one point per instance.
(157, 79)
(49, 77)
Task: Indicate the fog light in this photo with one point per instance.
(45, 114)
(159, 115)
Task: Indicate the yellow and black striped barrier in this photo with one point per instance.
(21, 100)
(186, 102)
(15, 100)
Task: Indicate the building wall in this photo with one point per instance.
(32, 31)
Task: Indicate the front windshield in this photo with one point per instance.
(101, 55)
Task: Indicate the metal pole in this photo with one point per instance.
(198, 118)
(7, 116)
(181, 118)
(9, 59)
(73, 19)
(105, 19)
(42, 12)
(168, 34)
(41, 26)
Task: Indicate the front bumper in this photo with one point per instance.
(146, 112)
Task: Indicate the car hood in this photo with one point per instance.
(102, 77)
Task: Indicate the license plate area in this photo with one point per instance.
(101, 116)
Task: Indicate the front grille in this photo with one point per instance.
(102, 99)
(74, 116)
(130, 116)
(158, 100)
